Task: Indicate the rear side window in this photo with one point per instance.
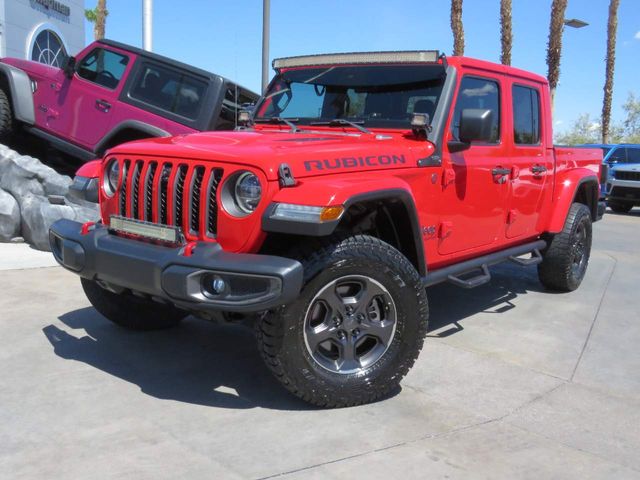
(526, 115)
(169, 90)
(234, 100)
(103, 67)
(478, 93)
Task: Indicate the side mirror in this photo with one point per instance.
(70, 67)
(475, 125)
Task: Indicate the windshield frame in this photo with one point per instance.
(439, 72)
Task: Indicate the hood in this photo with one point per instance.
(31, 67)
(626, 167)
(307, 153)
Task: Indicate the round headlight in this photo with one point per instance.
(247, 192)
(112, 177)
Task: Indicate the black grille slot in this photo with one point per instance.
(148, 191)
(178, 193)
(137, 170)
(212, 207)
(123, 189)
(163, 186)
(633, 176)
(196, 189)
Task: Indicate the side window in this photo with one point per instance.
(234, 99)
(103, 67)
(619, 155)
(526, 115)
(169, 90)
(633, 155)
(481, 94)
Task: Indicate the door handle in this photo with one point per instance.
(103, 105)
(538, 169)
(500, 171)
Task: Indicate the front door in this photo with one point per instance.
(85, 103)
(475, 180)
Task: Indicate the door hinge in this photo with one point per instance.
(445, 229)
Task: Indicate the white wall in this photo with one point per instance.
(20, 19)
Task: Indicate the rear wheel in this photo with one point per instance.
(566, 258)
(356, 328)
(619, 207)
(6, 117)
(129, 311)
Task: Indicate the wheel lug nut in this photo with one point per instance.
(360, 317)
(349, 309)
(355, 332)
(341, 335)
(337, 322)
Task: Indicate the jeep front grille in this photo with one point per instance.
(633, 176)
(171, 193)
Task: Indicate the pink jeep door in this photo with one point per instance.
(87, 101)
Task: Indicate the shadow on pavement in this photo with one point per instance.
(198, 362)
(219, 365)
(450, 305)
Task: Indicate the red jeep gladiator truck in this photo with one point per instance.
(360, 180)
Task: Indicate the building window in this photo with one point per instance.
(48, 49)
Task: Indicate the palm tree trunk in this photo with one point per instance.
(506, 35)
(612, 28)
(456, 27)
(101, 20)
(554, 47)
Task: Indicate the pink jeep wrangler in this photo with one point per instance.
(112, 93)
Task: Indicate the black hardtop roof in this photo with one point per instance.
(166, 60)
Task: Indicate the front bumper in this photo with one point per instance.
(626, 191)
(243, 282)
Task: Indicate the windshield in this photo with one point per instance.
(381, 96)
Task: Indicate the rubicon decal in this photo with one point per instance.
(353, 162)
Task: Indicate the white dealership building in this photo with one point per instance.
(46, 31)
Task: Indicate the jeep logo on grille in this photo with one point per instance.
(353, 162)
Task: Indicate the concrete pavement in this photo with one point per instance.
(513, 382)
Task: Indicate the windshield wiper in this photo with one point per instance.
(341, 122)
(287, 121)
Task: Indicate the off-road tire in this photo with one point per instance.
(558, 269)
(281, 336)
(6, 117)
(129, 311)
(620, 207)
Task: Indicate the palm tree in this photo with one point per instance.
(98, 16)
(456, 27)
(612, 27)
(506, 35)
(554, 47)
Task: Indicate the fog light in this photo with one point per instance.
(218, 286)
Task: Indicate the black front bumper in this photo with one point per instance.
(250, 283)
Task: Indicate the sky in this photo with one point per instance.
(226, 38)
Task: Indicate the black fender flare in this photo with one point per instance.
(137, 125)
(274, 225)
(19, 85)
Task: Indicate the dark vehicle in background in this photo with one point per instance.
(112, 93)
(621, 185)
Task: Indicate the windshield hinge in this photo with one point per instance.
(285, 177)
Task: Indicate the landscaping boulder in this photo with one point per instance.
(38, 214)
(22, 175)
(9, 217)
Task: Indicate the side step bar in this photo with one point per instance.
(460, 274)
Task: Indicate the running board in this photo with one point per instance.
(456, 273)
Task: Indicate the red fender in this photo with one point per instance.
(90, 169)
(568, 183)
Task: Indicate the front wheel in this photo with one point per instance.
(356, 328)
(6, 117)
(565, 259)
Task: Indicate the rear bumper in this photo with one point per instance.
(244, 282)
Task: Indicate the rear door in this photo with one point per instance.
(474, 196)
(531, 163)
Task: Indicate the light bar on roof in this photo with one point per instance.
(425, 56)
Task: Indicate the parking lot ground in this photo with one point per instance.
(513, 382)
